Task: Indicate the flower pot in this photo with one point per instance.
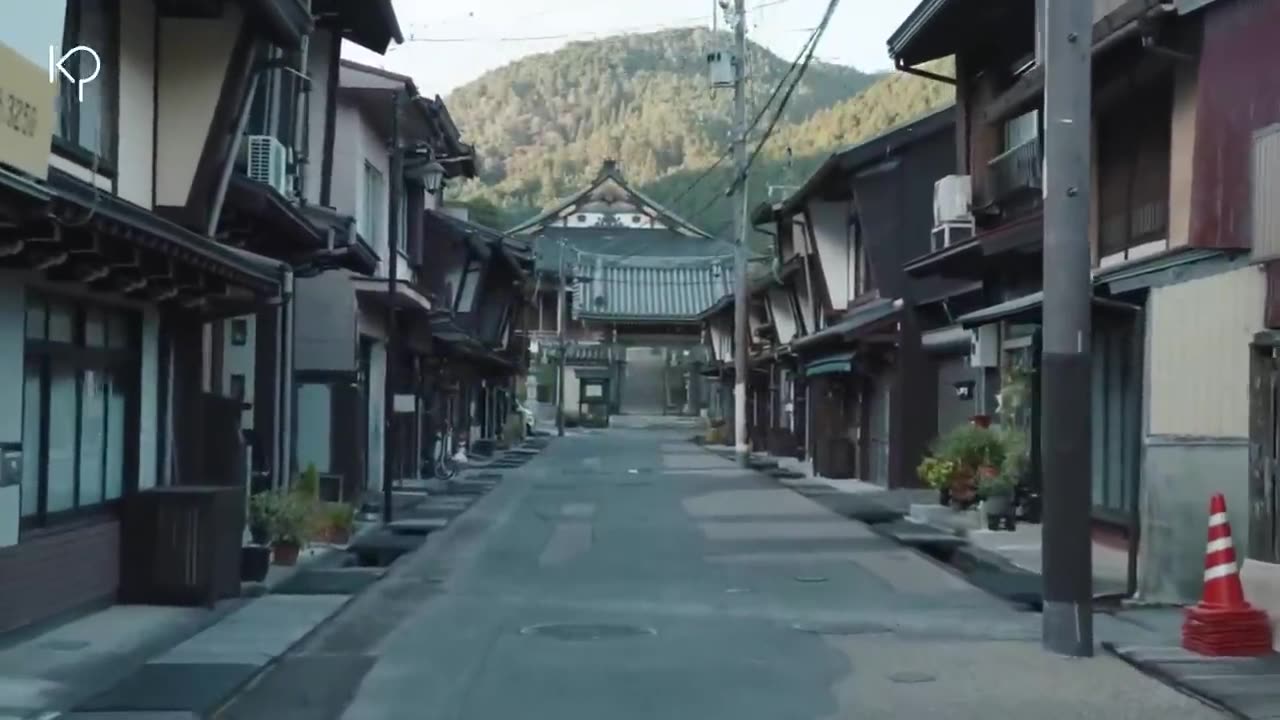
(255, 560)
(1000, 512)
(260, 534)
(286, 553)
(338, 536)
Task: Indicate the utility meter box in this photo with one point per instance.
(985, 350)
(720, 64)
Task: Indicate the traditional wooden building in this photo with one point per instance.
(847, 309)
(1182, 268)
(114, 276)
(636, 278)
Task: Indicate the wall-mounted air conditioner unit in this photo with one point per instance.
(951, 198)
(952, 221)
(268, 162)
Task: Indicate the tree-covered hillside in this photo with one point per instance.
(543, 124)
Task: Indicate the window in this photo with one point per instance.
(87, 128)
(1021, 130)
(373, 207)
(1133, 175)
(81, 373)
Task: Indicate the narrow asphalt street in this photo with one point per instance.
(630, 574)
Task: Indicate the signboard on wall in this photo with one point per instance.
(29, 53)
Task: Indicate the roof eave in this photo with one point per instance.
(901, 40)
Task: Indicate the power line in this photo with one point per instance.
(800, 56)
(773, 123)
(671, 24)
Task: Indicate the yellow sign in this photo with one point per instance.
(26, 113)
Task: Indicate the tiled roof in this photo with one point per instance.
(659, 291)
(579, 243)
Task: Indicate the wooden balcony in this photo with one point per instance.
(1013, 176)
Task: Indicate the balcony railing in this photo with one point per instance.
(1013, 174)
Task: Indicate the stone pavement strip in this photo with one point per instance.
(204, 672)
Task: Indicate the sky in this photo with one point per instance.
(450, 44)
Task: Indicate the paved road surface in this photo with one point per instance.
(627, 574)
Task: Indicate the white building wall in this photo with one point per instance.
(137, 101)
(784, 317)
(830, 223)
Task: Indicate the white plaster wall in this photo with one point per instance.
(1199, 339)
(318, 53)
(192, 59)
(377, 383)
(137, 100)
(831, 239)
(784, 316)
(347, 159)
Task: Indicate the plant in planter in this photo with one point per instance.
(339, 519)
(936, 472)
(997, 490)
(290, 528)
(262, 509)
(974, 452)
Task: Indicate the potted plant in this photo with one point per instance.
(973, 451)
(255, 558)
(289, 530)
(997, 490)
(339, 518)
(936, 472)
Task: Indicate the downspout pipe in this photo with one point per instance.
(905, 68)
(287, 375)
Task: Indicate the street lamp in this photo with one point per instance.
(433, 176)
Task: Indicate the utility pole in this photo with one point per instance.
(1066, 32)
(393, 253)
(741, 331)
(561, 297)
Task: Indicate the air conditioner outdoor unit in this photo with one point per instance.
(268, 161)
(952, 196)
(984, 349)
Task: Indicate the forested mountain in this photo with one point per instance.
(542, 125)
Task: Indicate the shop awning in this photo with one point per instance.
(406, 297)
(830, 365)
(1025, 307)
(863, 318)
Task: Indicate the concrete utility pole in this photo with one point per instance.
(741, 331)
(561, 298)
(1065, 418)
(393, 254)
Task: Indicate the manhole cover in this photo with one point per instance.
(810, 578)
(908, 678)
(575, 632)
(853, 628)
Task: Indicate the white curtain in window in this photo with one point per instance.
(93, 420)
(31, 440)
(62, 438)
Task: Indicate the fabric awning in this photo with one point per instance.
(830, 365)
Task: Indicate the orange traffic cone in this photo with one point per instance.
(1224, 623)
